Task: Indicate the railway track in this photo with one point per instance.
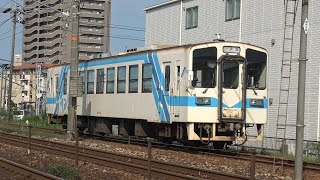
(215, 152)
(12, 170)
(120, 161)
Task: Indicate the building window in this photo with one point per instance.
(192, 17)
(232, 9)
(100, 81)
(90, 82)
(121, 83)
(82, 74)
(65, 83)
(110, 80)
(146, 78)
(133, 78)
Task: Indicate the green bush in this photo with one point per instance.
(64, 171)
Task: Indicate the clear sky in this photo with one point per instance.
(125, 13)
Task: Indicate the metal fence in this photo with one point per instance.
(271, 145)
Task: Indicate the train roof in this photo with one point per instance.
(152, 48)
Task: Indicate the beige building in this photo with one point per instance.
(24, 85)
(47, 31)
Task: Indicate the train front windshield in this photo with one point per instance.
(256, 69)
(205, 68)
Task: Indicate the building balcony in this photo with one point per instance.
(91, 15)
(92, 49)
(93, 32)
(90, 41)
(93, 6)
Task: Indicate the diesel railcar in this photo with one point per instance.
(209, 92)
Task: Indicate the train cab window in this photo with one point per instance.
(256, 69)
(100, 81)
(110, 80)
(90, 82)
(146, 78)
(230, 75)
(82, 74)
(133, 78)
(65, 83)
(121, 83)
(167, 78)
(204, 67)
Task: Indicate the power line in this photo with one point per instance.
(114, 27)
(4, 60)
(5, 4)
(5, 21)
(10, 36)
(9, 30)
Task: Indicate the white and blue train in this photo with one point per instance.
(209, 92)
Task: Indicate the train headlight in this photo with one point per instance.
(203, 100)
(231, 49)
(256, 102)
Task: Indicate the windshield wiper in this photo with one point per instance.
(205, 91)
(254, 90)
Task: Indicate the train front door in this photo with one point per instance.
(232, 89)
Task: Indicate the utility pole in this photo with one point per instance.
(5, 89)
(14, 22)
(298, 168)
(73, 86)
(38, 89)
(2, 68)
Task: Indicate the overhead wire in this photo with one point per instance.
(5, 21)
(5, 4)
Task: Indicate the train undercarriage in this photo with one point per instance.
(195, 134)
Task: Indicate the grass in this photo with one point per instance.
(35, 121)
(64, 171)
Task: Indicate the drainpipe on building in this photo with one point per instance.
(181, 13)
(240, 22)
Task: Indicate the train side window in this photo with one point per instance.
(146, 78)
(230, 75)
(82, 74)
(256, 69)
(178, 74)
(100, 81)
(167, 78)
(65, 83)
(57, 83)
(110, 80)
(121, 81)
(90, 82)
(133, 78)
(50, 85)
(204, 67)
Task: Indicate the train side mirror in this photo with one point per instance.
(270, 101)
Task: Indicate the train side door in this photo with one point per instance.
(232, 90)
(176, 90)
(167, 99)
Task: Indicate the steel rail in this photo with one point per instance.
(23, 172)
(120, 161)
(219, 153)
